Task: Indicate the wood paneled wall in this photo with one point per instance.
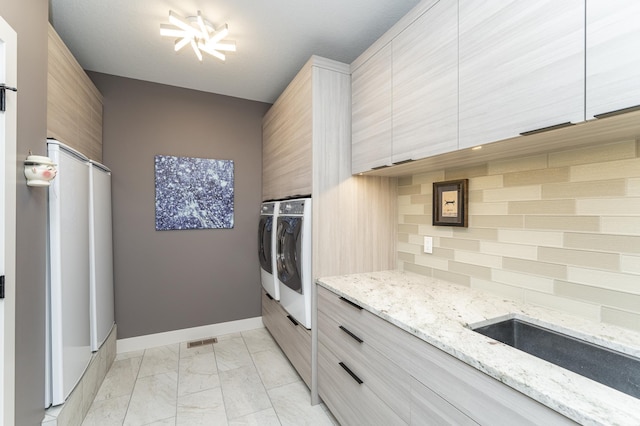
(74, 104)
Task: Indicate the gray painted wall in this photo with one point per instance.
(170, 280)
(29, 19)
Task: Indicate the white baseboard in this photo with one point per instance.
(177, 336)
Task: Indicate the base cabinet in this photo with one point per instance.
(429, 408)
(406, 379)
(293, 338)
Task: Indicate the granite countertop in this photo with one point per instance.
(440, 313)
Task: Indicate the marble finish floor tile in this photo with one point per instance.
(243, 392)
(197, 373)
(259, 340)
(293, 407)
(163, 359)
(244, 379)
(232, 353)
(186, 352)
(120, 378)
(202, 408)
(266, 417)
(275, 370)
(154, 398)
(107, 412)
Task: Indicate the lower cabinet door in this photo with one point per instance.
(292, 337)
(428, 408)
(347, 396)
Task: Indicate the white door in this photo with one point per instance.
(8, 76)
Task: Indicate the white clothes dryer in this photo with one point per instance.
(293, 258)
(267, 248)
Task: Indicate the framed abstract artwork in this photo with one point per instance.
(193, 193)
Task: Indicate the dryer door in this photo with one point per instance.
(289, 252)
(265, 230)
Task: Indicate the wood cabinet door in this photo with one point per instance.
(286, 141)
(521, 67)
(425, 85)
(613, 55)
(371, 113)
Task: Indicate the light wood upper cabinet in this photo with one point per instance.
(613, 55)
(521, 67)
(287, 138)
(74, 104)
(371, 103)
(307, 150)
(425, 85)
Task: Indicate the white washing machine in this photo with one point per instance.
(267, 248)
(293, 258)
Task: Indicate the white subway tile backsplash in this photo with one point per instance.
(630, 264)
(633, 187)
(520, 193)
(526, 281)
(520, 164)
(627, 206)
(486, 182)
(627, 283)
(432, 262)
(537, 238)
(561, 230)
(479, 259)
(583, 309)
(520, 251)
(508, 291)
(483, 208)
(624, 225)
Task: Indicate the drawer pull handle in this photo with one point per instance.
(617, 112)
(546, 129)
(380, 167)
(269, 296)
(351, 373)
(403, 161)
(358, 307)
(356, 338)
(293, 320)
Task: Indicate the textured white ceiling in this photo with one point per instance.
(274, 39)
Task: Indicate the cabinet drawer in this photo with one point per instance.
(352, 403)
(294, 340)
(428, 408)
(383, 336)
(386, 379)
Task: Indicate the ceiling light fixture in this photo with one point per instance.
(200, 33)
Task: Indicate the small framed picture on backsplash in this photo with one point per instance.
(450, 200)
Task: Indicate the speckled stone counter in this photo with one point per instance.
(440, 313)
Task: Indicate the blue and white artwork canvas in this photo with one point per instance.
(193, 193)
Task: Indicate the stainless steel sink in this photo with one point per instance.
(611, 368)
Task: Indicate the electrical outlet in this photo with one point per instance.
(428, 245)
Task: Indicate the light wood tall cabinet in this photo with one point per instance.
(74, 104)
(353, 217)
(425, 85)
(613, 59)
(307, 150)
(521, 67)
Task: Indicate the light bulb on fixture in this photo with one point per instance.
(198, 32)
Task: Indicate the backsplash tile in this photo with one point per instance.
(561, 230)
(594, 154)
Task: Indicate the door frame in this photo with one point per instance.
(9, 48)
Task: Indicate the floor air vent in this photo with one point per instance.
(197, 343)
